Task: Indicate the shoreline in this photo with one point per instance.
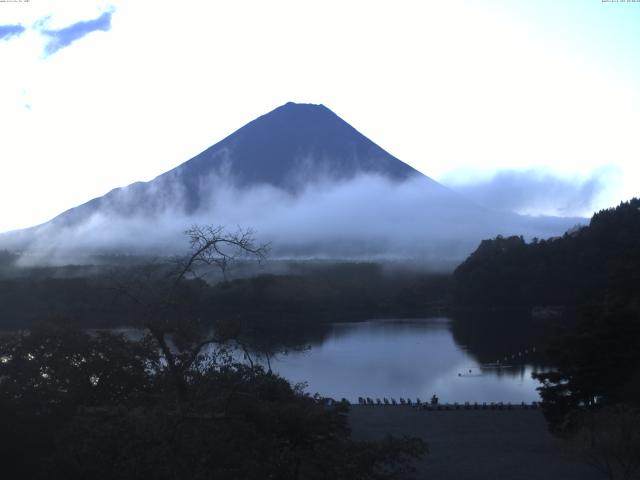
(450, 406)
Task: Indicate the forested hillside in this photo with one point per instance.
(583, 265)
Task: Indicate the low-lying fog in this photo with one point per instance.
(366, 218)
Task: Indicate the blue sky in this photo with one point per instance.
(485, 96)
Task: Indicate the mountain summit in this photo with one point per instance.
(292, 144)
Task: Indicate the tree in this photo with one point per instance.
(52, 371)
(165, 298)
(609, 441)
(579, 267)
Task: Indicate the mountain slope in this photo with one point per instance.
(287, 148)
(305, 180)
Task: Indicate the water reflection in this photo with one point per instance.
(404, 359)
(508, 336)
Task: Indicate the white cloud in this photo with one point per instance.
(535, 191)
(366, 217)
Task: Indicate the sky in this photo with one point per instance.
(531, 106)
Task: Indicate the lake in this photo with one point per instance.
(412, 358)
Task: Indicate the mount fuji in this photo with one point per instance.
(303, 179)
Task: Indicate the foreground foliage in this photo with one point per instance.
(609, 441)
(101, 406)
(174, 404)
(596, 365)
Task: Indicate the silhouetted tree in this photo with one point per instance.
(577, 268)
(609, 441)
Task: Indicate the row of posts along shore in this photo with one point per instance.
(368, 401)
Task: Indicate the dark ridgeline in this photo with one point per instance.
(583, 265)
(299, 303)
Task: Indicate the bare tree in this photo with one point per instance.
(159, 293)
(212, 246)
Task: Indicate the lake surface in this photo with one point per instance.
(416, 358)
